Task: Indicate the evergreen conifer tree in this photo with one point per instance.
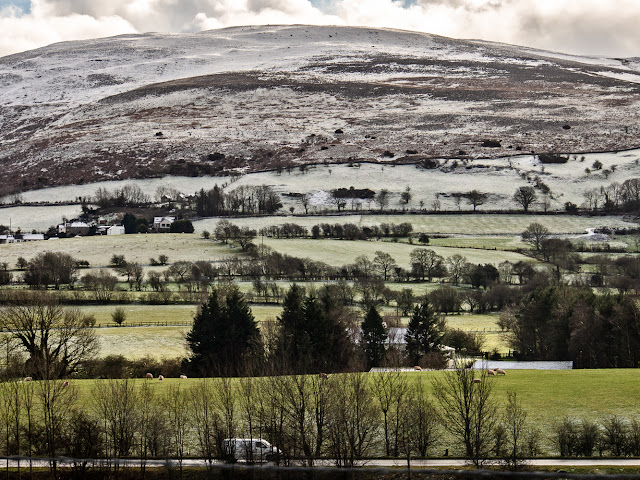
(294, 342)
(224, 338)
(424, 333)
(374, 337)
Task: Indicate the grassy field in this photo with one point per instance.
(341, 252)
(547, 396)
(169, 314)
(39, 218)
(138, 342)
(466, 223)
(136, 248)
(168, 341)
(485, 242)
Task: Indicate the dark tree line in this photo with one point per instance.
(242, 200)
(568, 323)
(341, 231)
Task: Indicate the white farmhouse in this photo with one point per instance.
(162, 224)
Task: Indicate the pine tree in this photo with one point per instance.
(201, 339)
(374, 337)
(425, 332)
(224, 339)
(294, 343)
(242, 344)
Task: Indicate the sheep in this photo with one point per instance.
(148, 375)
(491, 372)
(323, 375)
(65, 383)
(160, 378)
(183, 377)
(500, 371)
(417, 368)
(28, 379)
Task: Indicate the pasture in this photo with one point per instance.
(478, 224)
(138, 342)
(342, 252)
(166, 341)
(37, 218)
(138, 248)
(497, 177)
(547, 396)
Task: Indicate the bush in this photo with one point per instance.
(119, 316)
(566, 437)
(552, 158)
(433, 361)
(470, 342)
(588, 437)
(571, 208)
(181, 226)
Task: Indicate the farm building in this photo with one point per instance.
(115, 230)
(162, 224)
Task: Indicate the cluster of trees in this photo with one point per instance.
(56, 340)
(569, 323)
(310, 335)
(346, 231)
(587, 437)
(50, 268)
(127, 196)
(615, 197)
(242, 200)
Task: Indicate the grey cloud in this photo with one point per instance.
(584, 26)
(588, 32)
(465, 5)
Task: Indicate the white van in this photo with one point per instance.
(249, 449)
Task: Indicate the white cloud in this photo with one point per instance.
(24, 32)
(576, 26)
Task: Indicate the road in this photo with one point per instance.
(382, 463)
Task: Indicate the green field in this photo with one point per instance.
(547, 396)
(166, 314)
(473, 322)
(342, 252)
(169, 314)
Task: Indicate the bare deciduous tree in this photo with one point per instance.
(352, 418)
(525, 196)
(390, 389)
(57, 339)
(535, 234)
(515, 420)
(468, 409)
(206, 419)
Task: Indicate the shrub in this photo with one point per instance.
(566, 437)
(181, 226)
(552, 158)
(571, 207)
(119, 316)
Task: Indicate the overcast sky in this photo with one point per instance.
(591, 27)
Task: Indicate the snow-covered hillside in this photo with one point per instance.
(254, 98)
